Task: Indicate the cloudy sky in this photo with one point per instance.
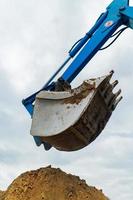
(34, 39)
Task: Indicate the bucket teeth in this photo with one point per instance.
(114, 84)
(106, 86)
(111, 74)
(113, 100)
(117, 93)
(116, 102)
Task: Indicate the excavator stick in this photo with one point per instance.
(70, 120)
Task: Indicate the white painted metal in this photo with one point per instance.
(52, 116)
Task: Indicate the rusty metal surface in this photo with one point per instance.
(77, 119)
(80, 93)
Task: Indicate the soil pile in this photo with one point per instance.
(2, 195)
(50, 184)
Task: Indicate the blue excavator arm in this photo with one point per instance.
(117, 14)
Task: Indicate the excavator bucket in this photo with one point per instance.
(70, 120)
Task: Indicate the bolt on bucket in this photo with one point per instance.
(70, 120)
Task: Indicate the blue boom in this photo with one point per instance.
(118, 13)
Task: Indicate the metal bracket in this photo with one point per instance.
(128, 14)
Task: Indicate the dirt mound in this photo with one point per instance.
(2, 195)
(50, 184)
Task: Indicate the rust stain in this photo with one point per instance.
(80, 93)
